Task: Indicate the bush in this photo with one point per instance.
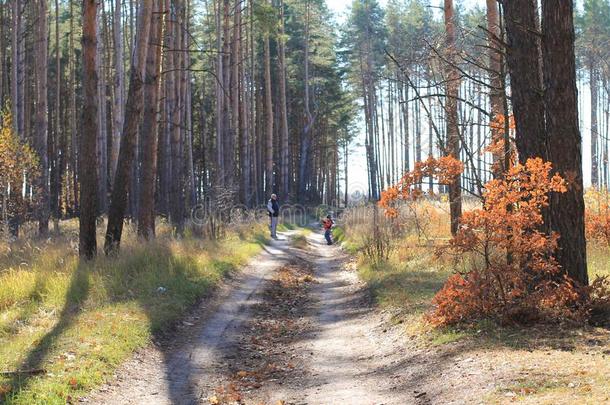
(513, 276)
(516, 278)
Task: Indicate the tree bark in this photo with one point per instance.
(135, 100)
(150, 127)
(118, 103)
(42, 117)
(88, 156)
(561, 102)
(523, 59)
(453, 137)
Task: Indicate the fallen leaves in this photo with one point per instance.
(262, 356)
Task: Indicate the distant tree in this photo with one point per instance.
(42, 116)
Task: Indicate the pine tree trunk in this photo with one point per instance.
(177, 165)
(74, 144)
(58, 166)
(244, 122)
(594, 125)
(18, 68)
(146, 213)
(220, 166)
(118, 103)
(135, 100)
(42, 117)
(284, 151)
(268, 120)
(87, 155)
(523, 59)
(451, 106)
(561, 102)
(495, 80)
(102, 134)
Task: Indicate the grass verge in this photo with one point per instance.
(65, 326)
(545, 364)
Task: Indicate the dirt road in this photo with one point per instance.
(295, 328)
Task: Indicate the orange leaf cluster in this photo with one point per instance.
(498, 123)
(444, 169)
(497, 146)
(17, 161)
(597, 216)
(514, 277)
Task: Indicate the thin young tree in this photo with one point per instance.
(42, 117)
(451, 107)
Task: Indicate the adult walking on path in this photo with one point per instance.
(273, 207)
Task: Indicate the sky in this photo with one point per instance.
(357, 169)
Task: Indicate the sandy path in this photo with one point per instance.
(180, 373)
(328, 345)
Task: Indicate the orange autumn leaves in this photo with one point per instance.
(18, 161)
(513, 275)
(598, 216)
(443, 170)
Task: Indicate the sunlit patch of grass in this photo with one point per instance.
(598, 260)
(567, 368)
(77, 322)
(340, 237)
(299, 240)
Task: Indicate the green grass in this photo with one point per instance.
(78, 322)
(348, 244)
(299, 240)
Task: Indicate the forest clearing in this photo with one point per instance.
(304, 202)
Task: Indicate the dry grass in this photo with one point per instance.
(76, 322)
(542, 364)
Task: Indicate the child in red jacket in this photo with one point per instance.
(328, 223)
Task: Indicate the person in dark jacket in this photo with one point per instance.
(273, 207)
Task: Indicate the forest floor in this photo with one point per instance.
(300, 327)
(299, 323)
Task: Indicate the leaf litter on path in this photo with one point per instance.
(262, 357)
